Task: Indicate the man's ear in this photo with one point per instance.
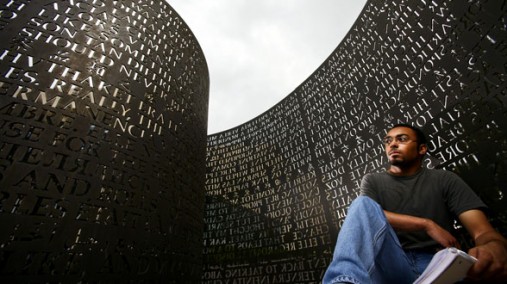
(423, 149)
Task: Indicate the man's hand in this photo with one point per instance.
(440, 235)
(492, 262)
(407, 223)
(490, 248)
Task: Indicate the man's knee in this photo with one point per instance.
(364, 201)
(365, 204)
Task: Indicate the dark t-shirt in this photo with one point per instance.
(434, 194)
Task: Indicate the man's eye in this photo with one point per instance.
(403, 138)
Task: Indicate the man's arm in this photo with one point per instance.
(407, 223)
(490, 247)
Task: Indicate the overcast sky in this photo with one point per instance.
(259, 51)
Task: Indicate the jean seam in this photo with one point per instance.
(344, 278)
(376, 238)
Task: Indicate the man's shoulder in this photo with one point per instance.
(379, 173)
(439, 173)
(433, 173)
(376, 175)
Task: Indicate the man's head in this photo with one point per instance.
(405, 146)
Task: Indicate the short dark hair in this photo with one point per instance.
(421, 137)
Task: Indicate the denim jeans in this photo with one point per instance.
(368, 250)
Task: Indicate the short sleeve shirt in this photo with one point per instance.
(438, 195)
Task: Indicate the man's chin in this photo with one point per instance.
(395, 162)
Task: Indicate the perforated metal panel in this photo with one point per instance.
(103, 113)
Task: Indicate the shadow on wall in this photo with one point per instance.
(235, 232)
(241, 243)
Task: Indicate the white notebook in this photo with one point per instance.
(447, 266)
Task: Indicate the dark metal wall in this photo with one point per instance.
(103, 114)
(277, 187)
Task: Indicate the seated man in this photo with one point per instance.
(405, 215)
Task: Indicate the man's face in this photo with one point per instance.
(402, 147)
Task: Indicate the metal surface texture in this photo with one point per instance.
(98, 102)
(278, 186)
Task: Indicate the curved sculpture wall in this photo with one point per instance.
(98, 101)
(277, 187)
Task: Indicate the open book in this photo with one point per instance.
(447, 266)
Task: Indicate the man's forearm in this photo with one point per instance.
(490, 236)
(402, 222)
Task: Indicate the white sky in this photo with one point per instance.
(259, 51)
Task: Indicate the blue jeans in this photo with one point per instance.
(368, 250)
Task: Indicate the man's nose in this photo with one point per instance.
(393, 144)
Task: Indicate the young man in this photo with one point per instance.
(405, 215)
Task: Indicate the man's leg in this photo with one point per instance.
(367, 249)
